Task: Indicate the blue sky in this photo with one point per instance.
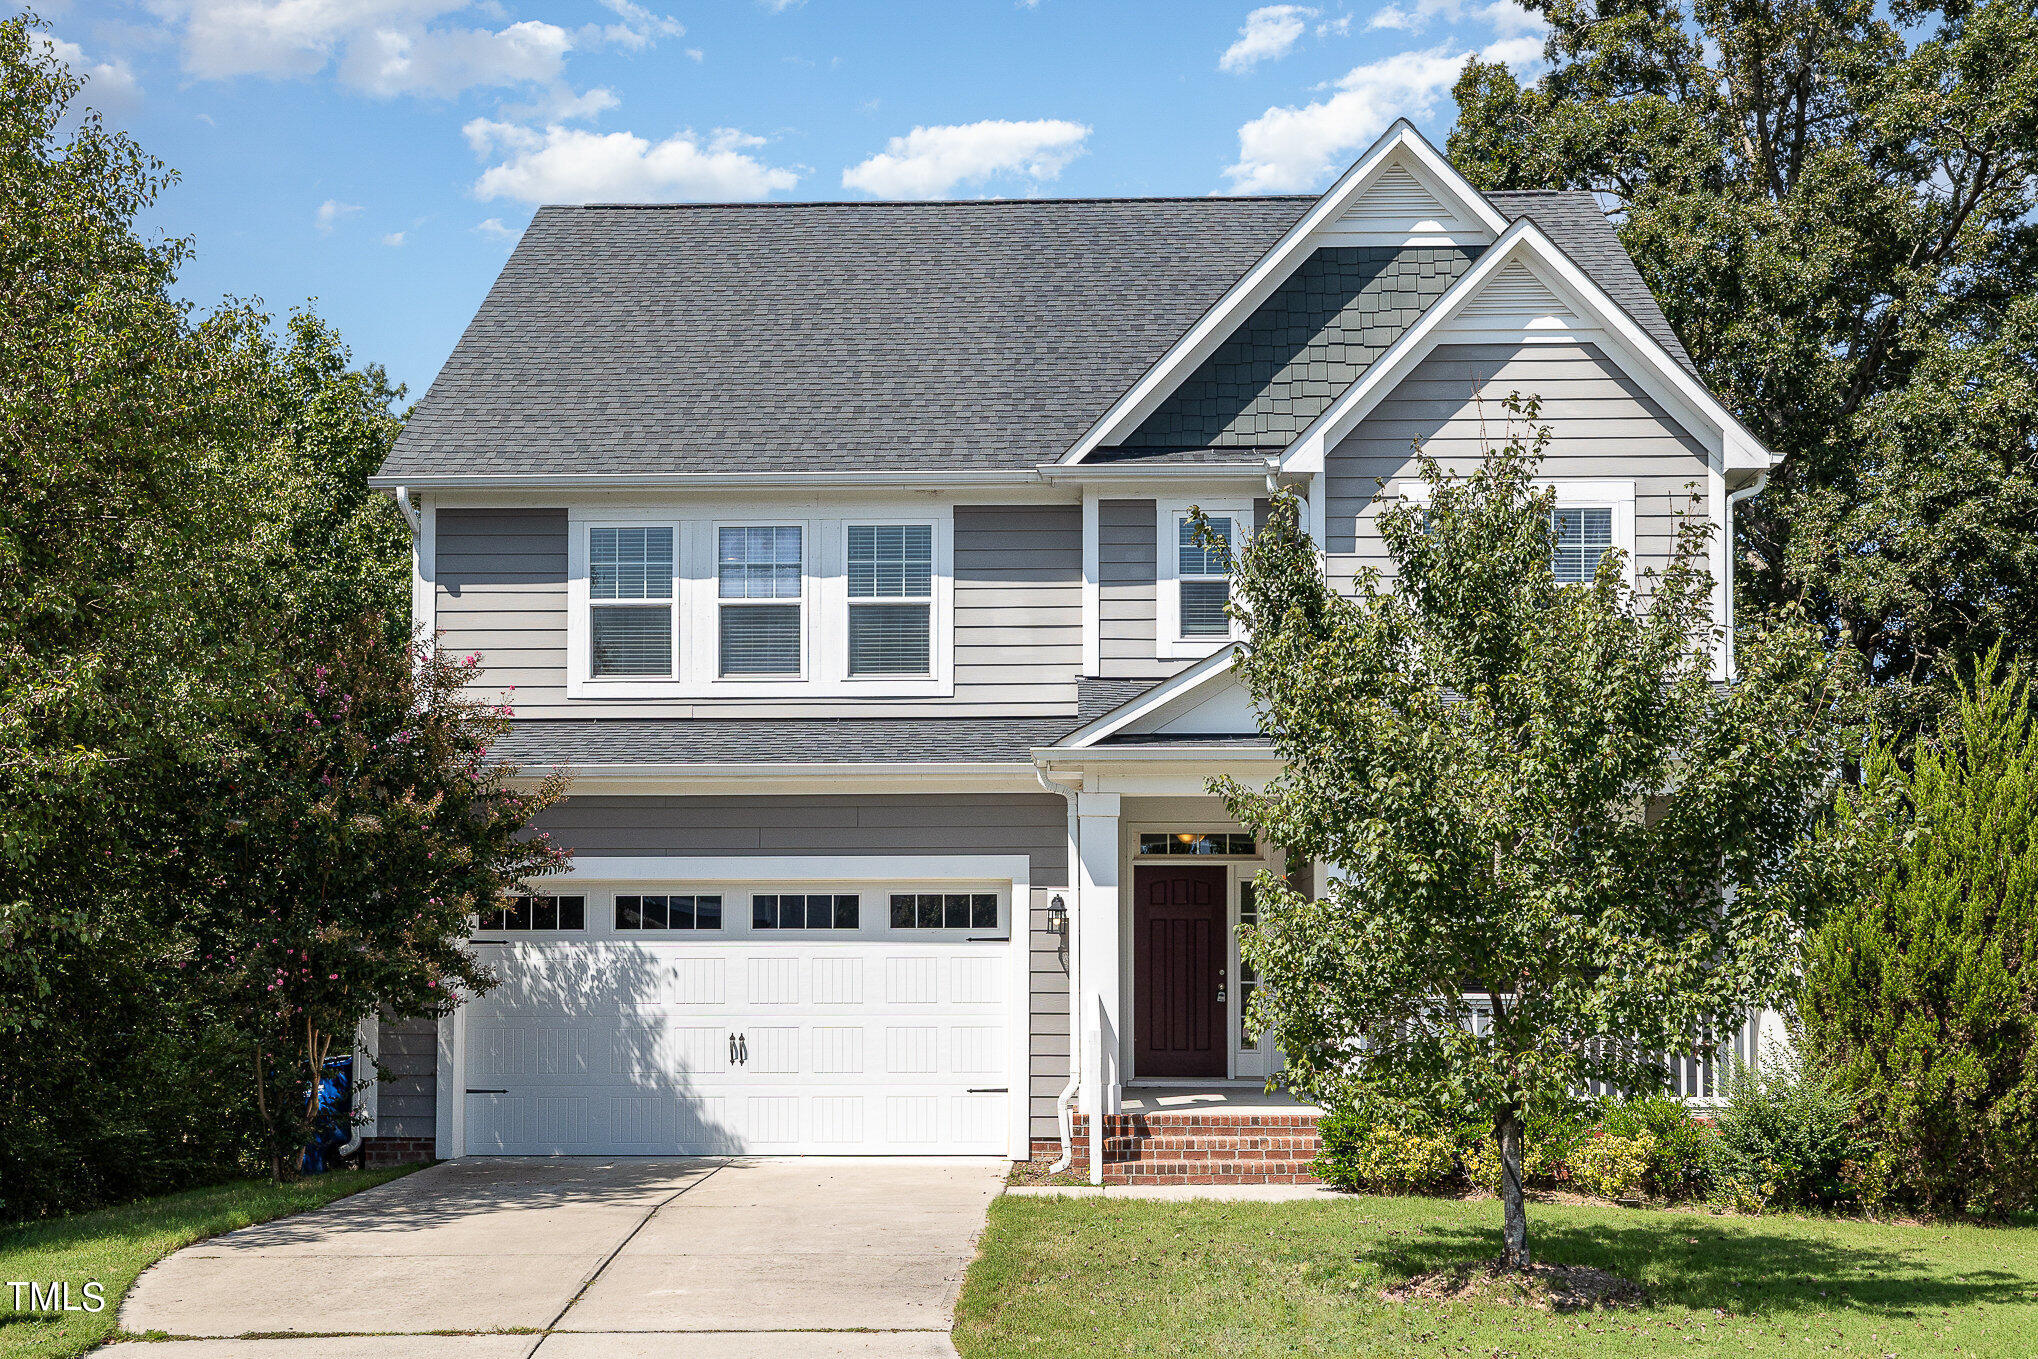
(381, 156)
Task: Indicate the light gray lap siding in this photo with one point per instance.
(501, 595)
(1048, 1023)
(1127, 592)
(406, 1097)
(1603, 427)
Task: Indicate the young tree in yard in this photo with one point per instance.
(1528, 793)
(1921, 993)
(1833, 200)
(346, 844)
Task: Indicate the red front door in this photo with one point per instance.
(1178, 952)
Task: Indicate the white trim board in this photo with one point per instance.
(1197, 675)
(1400, 145)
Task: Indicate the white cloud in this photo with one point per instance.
(560, 104)
(1504, 17)
(110, 86)
(1269, 33)
(929, 162)
(1290, 150)
(332, 211)
(444, 62)
(394, 47)
(394, 238)
(568, 165)
(493, 228)
(780, 6)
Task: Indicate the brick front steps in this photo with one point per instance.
(1203, 1148)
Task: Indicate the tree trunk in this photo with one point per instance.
(1514, 1251)
(268, 1123)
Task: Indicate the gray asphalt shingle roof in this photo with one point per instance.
(854, 336)
(546, 743)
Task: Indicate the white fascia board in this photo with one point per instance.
(1635, 351)
(1013, 868)
(1159, 474)
(1273, 268)
(1090, 756)
(576, 481)
(1217, 664)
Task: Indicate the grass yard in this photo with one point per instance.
(1069, 1276)
(114, 1245)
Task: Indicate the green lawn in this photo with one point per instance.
(1060, 1276)
(113, 1245)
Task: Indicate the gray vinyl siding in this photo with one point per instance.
(1034, 824)
(1048, 1037)
(501, 594)
(406, 1097)
(1127, 592)
(1603, 427)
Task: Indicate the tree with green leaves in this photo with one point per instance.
(1833, 201)
(338, 854)
(1921, 991)
(1557, 851)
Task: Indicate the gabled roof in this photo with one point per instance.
(856, 337)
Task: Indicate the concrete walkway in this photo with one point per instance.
(806, 1259)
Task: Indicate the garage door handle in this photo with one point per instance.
(988, 1090)
(743, 1046)
(472, 1091)
(732, 1050)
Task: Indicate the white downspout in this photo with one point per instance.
(1733, 499)
(1064, 1116)
(410, 514)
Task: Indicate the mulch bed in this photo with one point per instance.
(1553, 1288)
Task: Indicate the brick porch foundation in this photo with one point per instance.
(1198, 1148)
(396, 1151)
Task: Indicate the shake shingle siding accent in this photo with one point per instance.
(1603, 427)
(805, 337)
(1313, 338)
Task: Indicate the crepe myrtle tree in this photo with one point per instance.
(1557, 850)
(346, 844)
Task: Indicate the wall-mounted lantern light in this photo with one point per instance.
(1058, 915)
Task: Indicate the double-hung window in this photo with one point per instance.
(630, 602)
(1582, 534)
(890, 569)
(1203, 566)
(1194, 575)
(760, 585)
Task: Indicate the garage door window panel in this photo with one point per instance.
(944, 911)
(534, 913)
(691, 912)
(804, 911)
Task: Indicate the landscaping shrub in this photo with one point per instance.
(1384, 1157)
(1786, 1137)
(1921, 991)
(1681, 1158)
(1612, 1166)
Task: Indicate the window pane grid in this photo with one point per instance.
(535, 913)
(804, 911)
(944, 910)
(1194, 559)
(891, 561)
(1584, 534)
(692, 912)
(759, 562)
(1235, 843)
(629, 563)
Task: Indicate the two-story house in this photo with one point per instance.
(838, 550)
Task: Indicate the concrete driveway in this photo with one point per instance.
(710, 1257)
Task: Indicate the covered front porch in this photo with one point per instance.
(1162, 883)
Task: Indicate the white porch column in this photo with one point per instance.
(1097, 903)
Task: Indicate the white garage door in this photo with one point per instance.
(632, 1041)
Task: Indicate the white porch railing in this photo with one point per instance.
(1698, 1079)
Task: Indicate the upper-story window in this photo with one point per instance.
(714, 600)
(760, 581)
(1194, 577)
(891, 599)
(630, 601)
(1204, 566)
(1584, 534)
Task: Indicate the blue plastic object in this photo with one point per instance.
(334, 1127)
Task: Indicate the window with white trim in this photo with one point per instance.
(890, 570)
(630, 602)
(1582, 535)
(1203, 567)
(714, 600)
(760, 581)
